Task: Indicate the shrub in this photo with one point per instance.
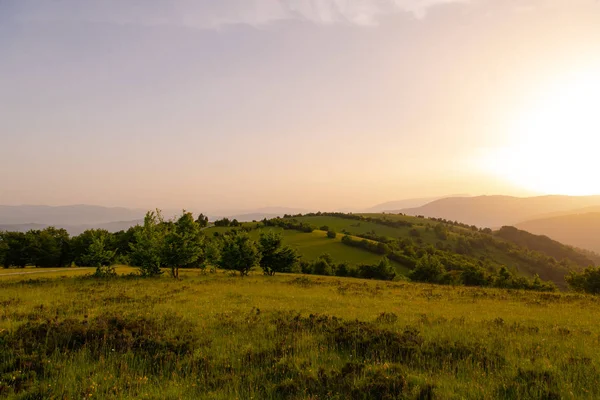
(331, 234)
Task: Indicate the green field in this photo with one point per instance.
(490, 256)
(217, 336)
(311, 245)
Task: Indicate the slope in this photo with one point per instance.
(409, 238)
(497, 211)
(580, 230)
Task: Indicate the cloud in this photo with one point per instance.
(213, 14)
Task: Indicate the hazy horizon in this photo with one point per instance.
(325, 104)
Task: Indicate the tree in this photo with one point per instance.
(274, 257)
(474, 276)
(331, 234)
(212, 253)
(99, 256)
(202, 221)
(147, 249)
(80, 244)
(428, 269)
(323, 265)
(49, 247)
(587, 281)
(183, 243)
(239, 253)
(17, 249)
(382, 271)
(223, 222)
(3, 250)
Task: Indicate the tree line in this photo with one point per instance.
(160, 244)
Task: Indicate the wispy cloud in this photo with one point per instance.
(210, 14)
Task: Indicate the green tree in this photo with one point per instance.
(474, 276)
(202, 221)
(323, 265)
(49, 248)
(3, 250)
(183, 243)
(99, 256)
(429, 268)
(239, 253)
(17, 249)
(275, 257)
(587, 281)
(212, 253)
(148, 245)
(80, 244)
(331, 234)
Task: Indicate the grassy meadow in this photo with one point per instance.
(312, 245)
(217, 336)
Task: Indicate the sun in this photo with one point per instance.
(555, 141)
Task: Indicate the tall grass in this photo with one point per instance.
(220, 337)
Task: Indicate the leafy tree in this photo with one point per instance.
(80, 244)
(49, 247)
(428, 269)
(212, 253)
(503, 279)
(17, 249)
(587, 281)
(474, 276)
(342, 270)
(382, 271)
(99, 256)
(239, 253)
(274, 257)
(223, 222)
(3, 250)
(147, 249)
(331, 234)
(183, 243)
(202, 221)
(323, 265)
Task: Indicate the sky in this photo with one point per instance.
(316, 104)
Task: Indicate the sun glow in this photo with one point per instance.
(556, 141)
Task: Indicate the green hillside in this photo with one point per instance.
(458, 245)
(314, 244)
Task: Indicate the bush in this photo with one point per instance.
(331, 234)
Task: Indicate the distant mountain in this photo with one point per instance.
(580, 229)
(73, 229)
(21, 227)
(407, 203)
(66, 215)
(497, 211)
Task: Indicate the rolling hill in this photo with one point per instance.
(497, 211)
(580, 230)
(407, 238)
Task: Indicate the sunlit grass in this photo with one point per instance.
(240, 339)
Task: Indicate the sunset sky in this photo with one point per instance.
(329, 104)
